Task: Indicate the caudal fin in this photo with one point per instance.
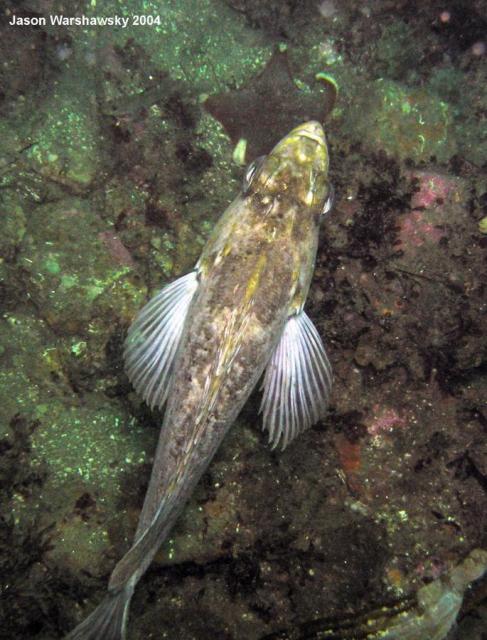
(107, 621)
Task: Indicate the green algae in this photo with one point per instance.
(64, 253)
(94, 442)
(66, 146)
(395, 50)
(86, 445)
(92, 439)
(193, 33)
(14, 223)
(22, 378)
(411, 123)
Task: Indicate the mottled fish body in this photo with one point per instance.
(203, 342)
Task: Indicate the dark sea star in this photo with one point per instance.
(268, 107)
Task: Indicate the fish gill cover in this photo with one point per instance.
(113, 171)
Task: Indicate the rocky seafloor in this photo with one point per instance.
(113, 171)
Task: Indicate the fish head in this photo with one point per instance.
(296, 168)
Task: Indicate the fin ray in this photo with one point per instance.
(297, 382)
(107, 621)
(153, 339)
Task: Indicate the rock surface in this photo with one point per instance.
(111, 177)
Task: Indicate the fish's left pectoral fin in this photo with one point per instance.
(297, 382)
(154, 336)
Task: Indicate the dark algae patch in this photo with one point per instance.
(33, 595)
(116, 160)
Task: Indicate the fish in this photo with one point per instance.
(204, 341)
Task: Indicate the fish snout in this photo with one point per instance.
(311, 130)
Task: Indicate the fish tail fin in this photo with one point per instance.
(108, 621)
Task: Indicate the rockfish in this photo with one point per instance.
(203, 342)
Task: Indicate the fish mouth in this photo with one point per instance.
(311, 130)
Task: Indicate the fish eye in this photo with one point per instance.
(329, 201)
(251, 172)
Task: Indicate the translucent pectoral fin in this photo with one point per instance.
(154, 337)
(297, 382)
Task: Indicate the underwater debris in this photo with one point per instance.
(429, 615)
(268, 106)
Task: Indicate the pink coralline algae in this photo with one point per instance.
(384, 419)
(423, 224)
(415, 230)
(433, 190)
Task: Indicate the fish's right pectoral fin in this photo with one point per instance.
(297, 382)
(153, 339)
